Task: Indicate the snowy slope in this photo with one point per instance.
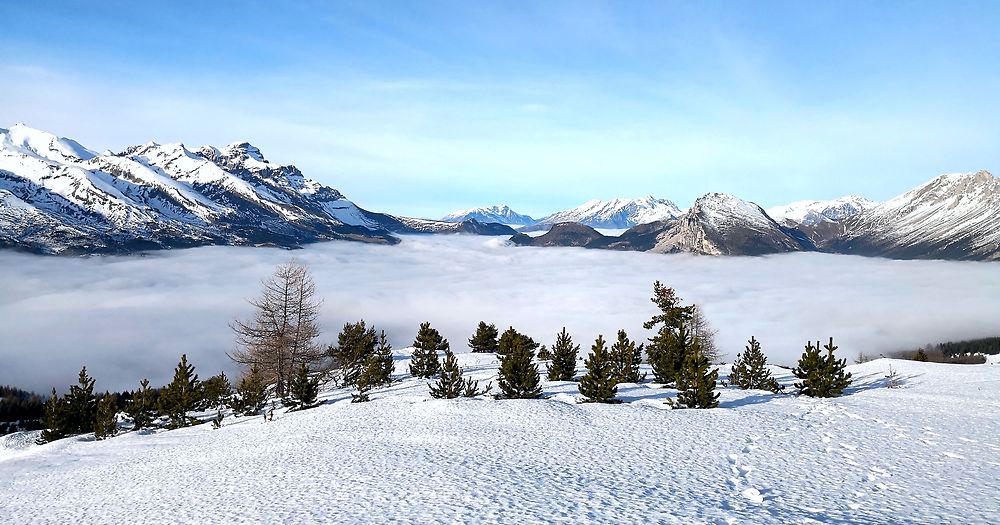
(616, 213)
(954, 216)
(499, 213)
(924, 453)
(720, 224)
(811, 213)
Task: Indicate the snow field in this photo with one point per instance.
(924, 453)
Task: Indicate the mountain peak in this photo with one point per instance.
(37, 143)
(617, 213)
(500, 213)
(244, 150)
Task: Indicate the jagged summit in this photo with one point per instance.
(58, 197)
(616, 213)
(500, 213)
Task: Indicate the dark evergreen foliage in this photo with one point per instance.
(626, 358)
(450, 383)
(485, 338)
(81, 405)
(519, 377)
(821, 375)
(425, 362)
(355, 343)
(106, 422)
(181, 396)
(920, 355)
(251, 394)
(987, 345)
(303, 390)
(142, 408)
(599, 383)
(696, 381)
(564, 355)
(381, 364)
(54, 421)
(20, 410)
(750, 370)
(544, 354)
(216, 391)
(667, 352)
(672, 315)
(508, 338)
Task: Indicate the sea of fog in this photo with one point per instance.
(127, 318)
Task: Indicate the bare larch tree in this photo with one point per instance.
(282, 333)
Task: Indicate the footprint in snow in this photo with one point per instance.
(753, 495)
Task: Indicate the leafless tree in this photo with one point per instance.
(700, 328)
(282, 333)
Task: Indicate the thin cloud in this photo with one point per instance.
(128, 318)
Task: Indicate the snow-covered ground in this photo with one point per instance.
(928, 452)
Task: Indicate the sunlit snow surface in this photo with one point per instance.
(131, 317)
(924, 453)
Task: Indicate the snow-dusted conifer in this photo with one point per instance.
(696, 381)
(626, 357)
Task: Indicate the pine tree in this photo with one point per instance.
(142, 408)
(106, 423)
(564, 354)
(511, 335)
(920, 355)
(599, 383)
(384, 365)
(821, 375)
(251, 394)
(696, 381)
(750, 370)
(544, 354)
(216, 391)
(54, 420)
(354, 344)
(181, 396)
(485, 338)
(667, 352)
(81, 405)
(519, 377)
(626, 358)
(450, 383)
(425, 362)
(302, 390)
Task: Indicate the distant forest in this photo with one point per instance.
(20, 410)
(988, 346)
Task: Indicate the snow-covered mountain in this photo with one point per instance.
(720, 224)
(499, 213)
(811, 213)
(57, 196)
(615, 213)
(954, 216)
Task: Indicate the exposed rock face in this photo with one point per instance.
(613, 214)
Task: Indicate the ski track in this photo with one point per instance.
(924, 453)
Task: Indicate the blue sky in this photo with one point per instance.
(421, 108)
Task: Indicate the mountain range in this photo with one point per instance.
(58, 197)
(954, 216)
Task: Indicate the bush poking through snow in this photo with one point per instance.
(425, 362)
(599, 383)
(892, 379)
(518, 377)
(821, 375)
(750, 369)
(485, 339)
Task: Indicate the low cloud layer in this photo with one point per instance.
(128, 318)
